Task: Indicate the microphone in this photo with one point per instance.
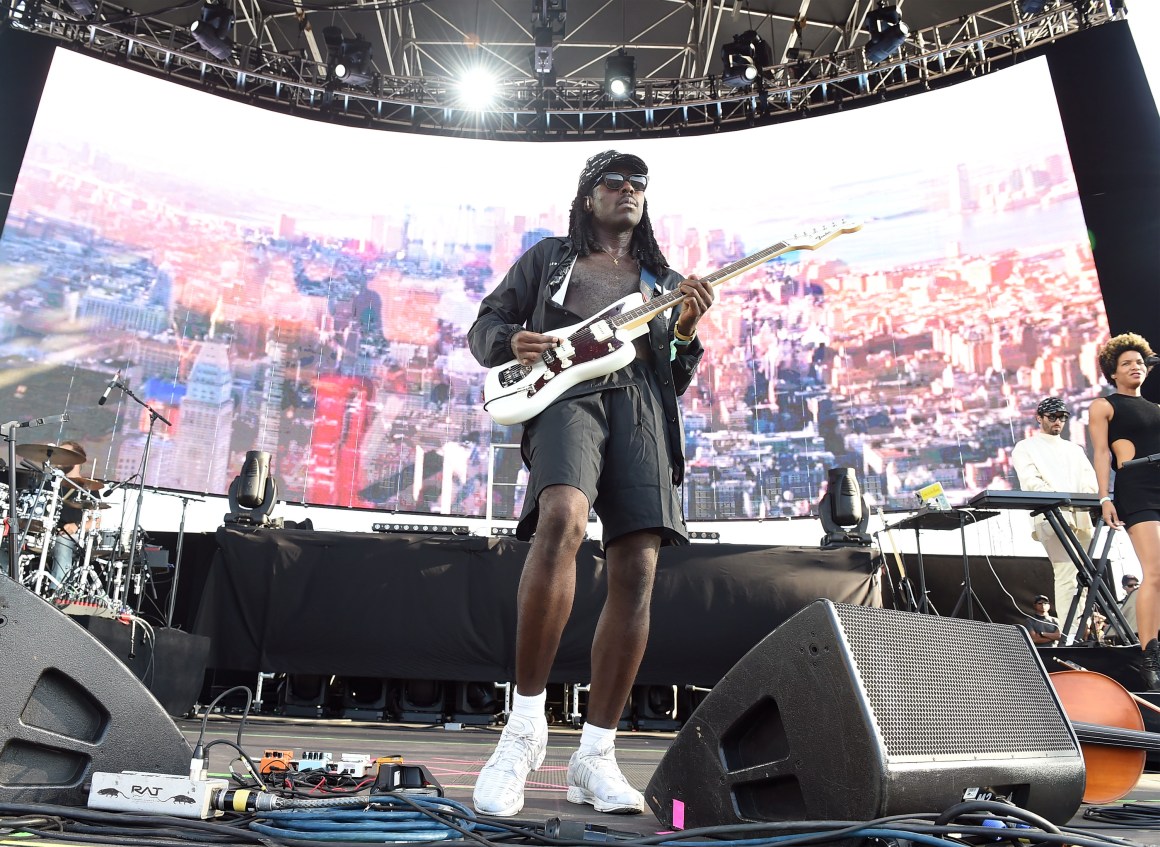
(113, 383)
(1151, 362)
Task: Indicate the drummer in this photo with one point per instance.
(68, 526)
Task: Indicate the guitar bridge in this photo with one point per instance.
(512, 375)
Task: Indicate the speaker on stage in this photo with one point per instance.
(69, 707)
(852, 713)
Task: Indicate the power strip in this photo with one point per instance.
(155, 794)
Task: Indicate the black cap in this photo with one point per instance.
(602, 163)
(1051, 406)
(1039, 597)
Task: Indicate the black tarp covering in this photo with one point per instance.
(443, 607)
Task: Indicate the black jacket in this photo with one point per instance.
(522, 300)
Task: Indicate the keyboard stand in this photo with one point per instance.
(1089, 576)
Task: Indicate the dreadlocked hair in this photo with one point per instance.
(644, 247)
(1109, 355)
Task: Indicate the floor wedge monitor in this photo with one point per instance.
(852, 713)
(69, 708)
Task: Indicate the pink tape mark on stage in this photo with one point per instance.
(678, 814)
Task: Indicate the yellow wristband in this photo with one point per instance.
(685, 338)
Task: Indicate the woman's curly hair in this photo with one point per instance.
(1109, 355)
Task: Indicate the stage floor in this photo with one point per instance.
(454, 757)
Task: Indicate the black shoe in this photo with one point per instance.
(1151, 668)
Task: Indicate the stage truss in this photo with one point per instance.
(265, 71)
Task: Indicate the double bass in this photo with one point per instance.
(1107, 721)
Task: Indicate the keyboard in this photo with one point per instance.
(1030, 500)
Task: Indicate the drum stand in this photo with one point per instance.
(8, 433)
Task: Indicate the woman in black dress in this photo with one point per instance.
(1125, 426)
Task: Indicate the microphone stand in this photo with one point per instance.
(185, 499)
(8, 433)
(154, 416)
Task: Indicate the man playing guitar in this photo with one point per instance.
(613, 443)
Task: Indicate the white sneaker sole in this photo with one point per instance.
(579, 795)
(515, 809)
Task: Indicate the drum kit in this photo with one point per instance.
(64, 554)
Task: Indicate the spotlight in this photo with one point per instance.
(887, 33)
(620, 75)
(1031, 8)
(254, 493)
(477, 88)
(744, 59)
(212, 30)
(843, 511)
(347, 58)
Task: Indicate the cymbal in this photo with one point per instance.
(59, 457)
(86, 484)
(83, 500)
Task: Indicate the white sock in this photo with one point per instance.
(531, 707)
(592, 738)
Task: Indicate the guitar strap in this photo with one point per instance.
(648, 283)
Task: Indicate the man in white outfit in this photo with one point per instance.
(1048, 462)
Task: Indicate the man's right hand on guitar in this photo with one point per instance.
(529, 346)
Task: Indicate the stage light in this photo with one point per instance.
(843, 511)
(1031, 8)
(254, 492)
(620, 75)
(347, 58)
(82, 8)
(212, 30)
(421, 528)
(476, 88)
(743, 59)
(542, 57)
(887, 33)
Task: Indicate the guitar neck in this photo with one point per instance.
(646, 312)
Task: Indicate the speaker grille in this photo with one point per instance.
(945, 688)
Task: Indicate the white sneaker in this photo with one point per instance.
(595, 778)
(499, 790)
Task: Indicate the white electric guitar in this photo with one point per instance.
(514, 392)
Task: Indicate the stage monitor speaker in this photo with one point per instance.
(69, 707)
(853, 713)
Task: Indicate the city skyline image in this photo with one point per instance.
(314, 301)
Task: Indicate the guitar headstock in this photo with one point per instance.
(812, 239)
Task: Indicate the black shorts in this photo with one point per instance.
(612, 444)
(1143, 516)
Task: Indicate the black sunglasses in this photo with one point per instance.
(614, 181)
(1057, 416)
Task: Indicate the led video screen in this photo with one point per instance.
(274, 283)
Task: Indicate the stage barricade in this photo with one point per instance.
(443, 607)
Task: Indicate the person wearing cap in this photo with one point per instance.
(613, 444)
(1043, 628)
(1125, 426)
(1048, 462)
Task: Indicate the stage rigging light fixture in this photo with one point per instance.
(212, 30)
(744, 58)
(620, 75)
(887, 33)
(82, 8)
(1031, 8)
(542, 57)
(347, 58)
